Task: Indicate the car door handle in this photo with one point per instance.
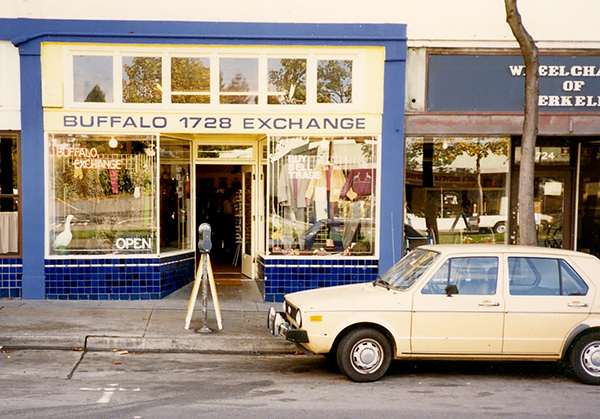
(577, 305)
(489, 304)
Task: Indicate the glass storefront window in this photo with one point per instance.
(456, 190)
(322, 196)
(287, 82)
(302, 79)
(142, 80)
(9, 195)
(240, 151)
(190, 80)
(239, 80)
(334, 81)
(548, 156)
(102, 197)
(93, 78)
(175, 195)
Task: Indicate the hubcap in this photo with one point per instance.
(590, 358)
(366, 356)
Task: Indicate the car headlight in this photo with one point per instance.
(299, 318)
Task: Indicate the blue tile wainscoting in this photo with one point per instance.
(282, 276)
(11, 272)
(117, 279)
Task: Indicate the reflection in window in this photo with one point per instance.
(543, 276)
(469, 276)
(225, 151)
(322, 195)
(9, 195)
(239, 80)
(92, 78)
(190, 80)
(456, 189)
(102, 194)
(334, 81)
(287, 82)
(175, 198)
(142, 80)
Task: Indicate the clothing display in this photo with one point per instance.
(324, 189)
(291, 191)
(360, 182)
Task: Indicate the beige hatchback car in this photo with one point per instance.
(470, 302)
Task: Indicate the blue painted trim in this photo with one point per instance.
(392, 166)
(32, 164)
(25, 30)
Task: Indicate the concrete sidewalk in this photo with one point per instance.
(144, 325)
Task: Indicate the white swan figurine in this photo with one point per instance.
(63, 239)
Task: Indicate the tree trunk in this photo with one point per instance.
(529, 52)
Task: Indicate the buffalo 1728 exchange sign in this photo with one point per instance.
(491, 83)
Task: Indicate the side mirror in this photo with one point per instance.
(451, 290)
(204, 239)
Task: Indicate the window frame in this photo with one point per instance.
(375, 193)
(311, 55)
(49, 207)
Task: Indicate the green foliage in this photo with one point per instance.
(334, 81)
(96, 95)
(291, 79)
(189, 75)
(447, 150)
(141, 80)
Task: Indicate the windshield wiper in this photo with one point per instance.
(380, 281)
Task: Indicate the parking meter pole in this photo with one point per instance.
(204, 262)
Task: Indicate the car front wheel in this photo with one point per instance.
(364, 355)
(585, 358)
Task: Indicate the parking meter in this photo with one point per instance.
(204, 240)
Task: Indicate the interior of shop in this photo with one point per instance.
(219, 203)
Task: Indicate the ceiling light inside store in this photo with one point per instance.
(113, 142)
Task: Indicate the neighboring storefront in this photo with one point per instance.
(282, 137)
(10, 174)
(463, 125)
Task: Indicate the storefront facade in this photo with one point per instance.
(463, 126)
(129, 142)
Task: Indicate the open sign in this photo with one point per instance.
(133, 243)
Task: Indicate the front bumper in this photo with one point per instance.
(279, 326)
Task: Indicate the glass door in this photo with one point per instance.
(248, 219)
(588, 216)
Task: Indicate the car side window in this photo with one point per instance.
(470, 276)
(543, 276)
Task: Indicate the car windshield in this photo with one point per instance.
(405, 273)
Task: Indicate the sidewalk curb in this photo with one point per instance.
(188, 344)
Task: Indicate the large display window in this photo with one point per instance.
(456, 190)
(322, 196)
(102, 194)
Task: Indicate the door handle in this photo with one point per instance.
(489, 304)
(577, 305)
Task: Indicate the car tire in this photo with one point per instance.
(364, 355)
(585, 358)
(500, 227)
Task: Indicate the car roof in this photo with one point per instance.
(472, 249)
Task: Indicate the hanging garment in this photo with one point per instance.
(361, 181)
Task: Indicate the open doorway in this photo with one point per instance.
(220, 203)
